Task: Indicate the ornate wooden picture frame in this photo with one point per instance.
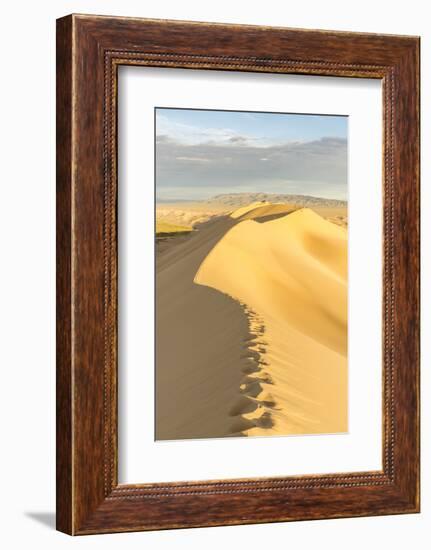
(89, 51)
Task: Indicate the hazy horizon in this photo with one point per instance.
(175, 200)
(203, 153)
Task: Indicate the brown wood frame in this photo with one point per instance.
(89, 51)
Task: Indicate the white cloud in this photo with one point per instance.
(193, 159)
(185, 134)
(316, 167)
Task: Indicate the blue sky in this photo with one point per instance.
(201, 153)
(270, 126)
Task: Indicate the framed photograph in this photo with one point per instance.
(237, 274)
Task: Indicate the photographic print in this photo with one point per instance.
(238, 254)
(251, 244)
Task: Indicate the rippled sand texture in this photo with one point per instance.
(252, 327)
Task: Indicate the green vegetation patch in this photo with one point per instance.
(163, 228)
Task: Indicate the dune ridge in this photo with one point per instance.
(240, 212)
(251, 408)
(290, 275)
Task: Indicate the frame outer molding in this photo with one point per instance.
(89, 50)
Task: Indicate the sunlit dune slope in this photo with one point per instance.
(291, 274)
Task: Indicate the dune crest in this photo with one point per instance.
(244, 209)
(268, 211)
(290, 275)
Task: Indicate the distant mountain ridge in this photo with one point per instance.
(242, 199)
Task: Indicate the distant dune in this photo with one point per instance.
(252, 326)
(188, 213)
(240, 212)
(191, 214)
(263, 211)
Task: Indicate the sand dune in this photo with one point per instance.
(252, 326)
(291, 272)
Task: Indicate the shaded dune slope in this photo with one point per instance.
(202, 344)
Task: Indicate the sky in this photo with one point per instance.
(203, 153)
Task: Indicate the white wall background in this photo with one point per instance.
(27, 255)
